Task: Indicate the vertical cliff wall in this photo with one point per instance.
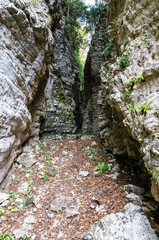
(63, 118)
(24, 58)
(129, 94)
(92, 79)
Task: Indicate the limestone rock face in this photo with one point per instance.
(130, 225)
(125, 226)
(24, 56)
(63, 117)
(129, 91)
(92, 78)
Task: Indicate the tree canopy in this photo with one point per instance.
(80, 24)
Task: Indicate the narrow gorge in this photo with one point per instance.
(79, 159)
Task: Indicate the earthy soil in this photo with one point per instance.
(85, 199)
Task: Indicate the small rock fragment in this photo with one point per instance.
(135, 198)
(19, 200)
(94, 144)
(64, 153)
(113, 176)
(134, 189)
(27, 161)
(28, 223)
(100, 208)
(92, 206)
(19, 233)
(23, 187)
(57, 205)
(50, 215)
(30, 219)
(84, 173)
(116, 168)
(3, 197)
(132, 208)
(96, 174)
(70, 213)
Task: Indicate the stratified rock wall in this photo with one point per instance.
(63, 117)
(24, 57)
(129, 95)
(92, 78)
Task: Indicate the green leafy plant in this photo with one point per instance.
(124, 62)
(24, 202)
(49, 105)
(108, 49)
(10, 208)
(127, 94)
(11, 194)
(24, 237)
(47, 159)
(29, 191)
(92, 153)
(2, 211)
(144, 108)
(61, 94)
(103, 151)
(4, 235)
(26, 169)
(102, 167)
(116, 20)
(113, 36)
(98, 159)
(131, 107)
(45, 176)
(132, 80)
(70, 113)
(12, 236)
(126, 42)
(144, 37)
(94, 144)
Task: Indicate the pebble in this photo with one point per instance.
(84, 173)
(3, 197)
(64, 153)
(96, 174)
(135, 189)
(135, 198)
(132, 208)
(57, 205)
(23, 187)
(19, 233)
(113, 176)
(50, 215)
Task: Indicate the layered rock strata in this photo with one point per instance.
(63, 117)
(92, 78)
(129, 95)
(24, 58)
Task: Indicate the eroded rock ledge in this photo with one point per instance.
(24, 57)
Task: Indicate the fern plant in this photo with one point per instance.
(102, 167)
